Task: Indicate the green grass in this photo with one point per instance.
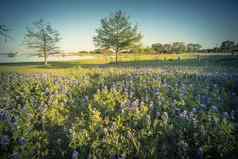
(187, 62)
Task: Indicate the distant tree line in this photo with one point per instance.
(227, 46)
(116, 34)
(176, 47)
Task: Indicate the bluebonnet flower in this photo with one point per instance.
(13, 121)
(75, 154)
(214, 108)
(157, 92)
(22, 141)
(158, 114)
(183, 114)
(146, 98)
(121, 157)
(232, 114)
(204, 100)
(15, 155)
(85, 100)
(117, 157)
(62, 88)
(4, 141)
(5, 116)
(177, 111)
(122, 108)
(135, 157)
(199, 153)
(203, 107)
(233, 93)
(194, 110)
(226, 115)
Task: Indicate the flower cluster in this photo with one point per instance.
(119, 113)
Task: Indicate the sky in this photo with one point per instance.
(207, 22)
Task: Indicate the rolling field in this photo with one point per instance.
(144, 107)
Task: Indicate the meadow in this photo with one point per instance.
(145, 107)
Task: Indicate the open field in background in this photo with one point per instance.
(184, 62)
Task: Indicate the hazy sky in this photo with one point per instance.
(204, 21)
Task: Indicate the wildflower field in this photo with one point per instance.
(143, 110)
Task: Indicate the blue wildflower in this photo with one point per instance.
(22, 141)
(199, 153)
(15, 155)
(75, 154)
(4, 141)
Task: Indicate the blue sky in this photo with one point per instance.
(204, 21)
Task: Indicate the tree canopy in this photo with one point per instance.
(4, 31)
(227, 46)
(43, 38)
(117, 33)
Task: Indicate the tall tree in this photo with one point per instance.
(117, 33)
(42, 37)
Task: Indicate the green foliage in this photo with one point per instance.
(130, 113)
(227, 46)
(176, 47)
(42, 37)
(4, 31)
(117, 33)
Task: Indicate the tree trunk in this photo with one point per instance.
(45, 55)
(45, 59)
(116, 56)
(44, 49)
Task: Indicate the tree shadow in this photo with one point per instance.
(41, 64)
(203, 61)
